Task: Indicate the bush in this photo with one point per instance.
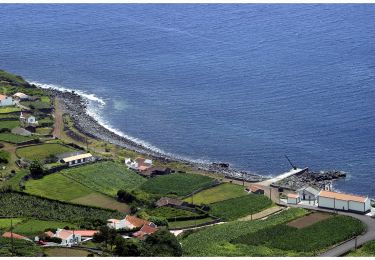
(36, 169)
(124, 196)
(159, 221)
(127, 247)
(4, 157)
(162, 243)
(56, 240)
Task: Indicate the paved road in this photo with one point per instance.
(349, 245)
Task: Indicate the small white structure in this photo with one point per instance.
(6, 101)
(21, 96)
(139, 164)
(78, 159)
(28, 119)
(342, 201)
(308, 193)
(293, 198)
(131, 164)
(129, 222)
(68, 237)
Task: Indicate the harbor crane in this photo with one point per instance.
(293, 166)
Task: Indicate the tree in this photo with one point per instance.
(162, 243)
(159, 221)
(106, 235)
(36, 169)
(124, 196)
(127, 247)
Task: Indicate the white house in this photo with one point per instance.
(342, 201)
(139, 164)
(28, 119)
(78, 159)
(21, 96)
(68, 237)
(293, 198)
(129, 222)
(6, 101)
(308, 193)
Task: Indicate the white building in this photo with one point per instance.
(78, 159)
(21, 96)
(68, 237)
(308, 193)
(28, 119)
(139, 164)
(6, 101)
(342, 201)
(293, 198)
(129, 222)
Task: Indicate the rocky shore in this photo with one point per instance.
(76, 106)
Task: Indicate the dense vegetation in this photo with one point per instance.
(170, 212)
(105, 177)
(366, 250)
(12, 79)
(312, 239)
(221, 192)
(240, 207)
(21, 248)
(24, 205)
(180, 184)
(40, 152)
(215, 240)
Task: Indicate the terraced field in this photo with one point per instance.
(14, 139)
(40, 152)
(33, 227)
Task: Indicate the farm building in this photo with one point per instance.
(68, 237)
(6, 101)
(21, 96)
(129, 222)
(146, 230)
(308, 193)
(293, 198)
(139, 164)
(28, 119)
(78, 159)
(342, 201)
(164, 201)
(255, 189)
(154, 171)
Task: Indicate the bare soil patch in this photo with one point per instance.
(309, 220)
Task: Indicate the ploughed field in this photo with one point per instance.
(271, 237)
(42, 151)
(179, 184)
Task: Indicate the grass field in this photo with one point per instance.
(367, 250)
(22, 248)
(44, 130)
(188, 223)
(14, 116)
(219, 193)
(100, 200)
(4, 110)
(309, 240)
(180, 184)
(5, 222)
(40, 152)
(105, 177)
(26, 206)
(9, 124)
(170, 212)
(33, 227)
(65, 252)
(15, 139)
(215, 240)
(239, 207)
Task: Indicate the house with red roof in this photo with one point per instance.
(145, 231)
(129, 222)
(6, 101)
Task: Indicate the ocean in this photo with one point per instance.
(238, 83)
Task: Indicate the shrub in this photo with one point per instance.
(36, 169)
(159, 221)
(124, 196)
(4, 157)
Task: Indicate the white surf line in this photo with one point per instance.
(282, 176)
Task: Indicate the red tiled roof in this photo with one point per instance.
(85, 233)
(64, 234)
(16, 236)
(341, 196)
(292, 195)
(2, 97)
(49, 233)
(148, 229)
(137, 222)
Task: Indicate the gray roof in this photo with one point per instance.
(20, 131)
(311, 190)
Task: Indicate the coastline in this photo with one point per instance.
(76, 105)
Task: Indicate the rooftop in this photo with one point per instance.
(293, 195)
(16, 236)
(341, 196)
(77, 157)
(137, 222)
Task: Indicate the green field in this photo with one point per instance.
(40, 152)
(180, 184)
(34, 227)
(219, 193)
(13, 116)
(239, 207)
(22, 248)
(188, 223)
(10, 109)
(170, 212)
(15, 139)
(36, 104)
(215, 240)
(44, 130)
(310, 240)
(105, 177)
(366, 250)
(5, 222)
(65, 252)
(9, 124)
(26, 206)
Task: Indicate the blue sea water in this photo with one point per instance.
(244, 84)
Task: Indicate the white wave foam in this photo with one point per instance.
(94, 111)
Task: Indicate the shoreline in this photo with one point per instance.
(76, 106)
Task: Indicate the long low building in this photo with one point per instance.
(344, 202)
(78, 159)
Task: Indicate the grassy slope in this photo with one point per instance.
(10, 109)
(240, 207)
(67, 252)
(215, 240)
(12, 138)
(105, 177)
(219, 193)
(42, 151)
(180, 184)
(9, 124)
(5, 222)
(22, 248)
(188, 223)
(170, 212)
(34, 227)
(366, 250)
